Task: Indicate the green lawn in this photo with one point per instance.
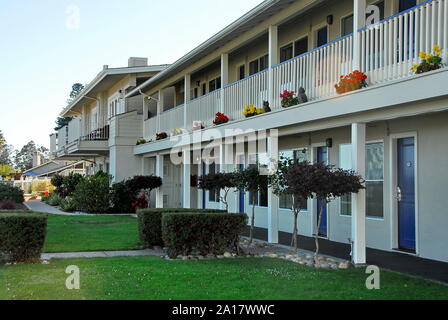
(94, 233)
(154, 278)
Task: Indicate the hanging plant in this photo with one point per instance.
(289, 99)
(250, 111)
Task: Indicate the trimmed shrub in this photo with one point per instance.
(54, 200)
(22, 236)
(67, 205)
(92, 194)
(207, 233)
(150, 224)
(7, 205)
(11, 193)
(138, 183)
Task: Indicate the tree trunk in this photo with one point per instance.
(294, 240)
(252, 225)
(316, 235)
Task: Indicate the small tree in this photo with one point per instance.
(144, 183)
(250, 180)
(295, 180)
(215, 182)
(329, 184)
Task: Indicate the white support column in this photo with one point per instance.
(186, 178)
(359, 199)
(273, 200)
(160, 105)
(224, 77)
(159, 173)
(187, 97)
(359, 22)
(273, 59)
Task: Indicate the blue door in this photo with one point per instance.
(322, 156)
(406, 193)
(242, 194)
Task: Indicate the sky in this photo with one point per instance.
(48, 45)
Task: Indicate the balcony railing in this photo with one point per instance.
(388, 50)
(172, 119)
(101, 134)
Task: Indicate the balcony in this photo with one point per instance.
(388, 50)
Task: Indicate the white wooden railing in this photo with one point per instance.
(203, 109)
(172, 119)
(74, 130)
(62, 137)
(390, 48)
(150, 128)
(316, 71)
(251, 90)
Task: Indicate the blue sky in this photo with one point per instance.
(44, 51)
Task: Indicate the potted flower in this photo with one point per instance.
(289, 99)
(141, 141)
(141, 202)
(351, 82)
(250, 111)
(220, 118)
(198, 125)
(161, 136)
(430, 62)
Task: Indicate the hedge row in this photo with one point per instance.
(22, 236)
(10, 193)
(150, 224)
(208, 233)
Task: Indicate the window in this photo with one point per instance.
(253, 67)
(375, 180)
(264, 62)
(347, 25)
(242, 72)
(213, 196)
(260, 198)
(406, 4)
(286, 52)
(345, 162)
(322, 37)
(301, 46)
(204, 88)
(195, 93)
(300, 155)
(214, 84)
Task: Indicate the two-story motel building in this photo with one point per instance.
(393, 132)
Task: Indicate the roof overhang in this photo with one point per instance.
(105, 79)
(254, 17)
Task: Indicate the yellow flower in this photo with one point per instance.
(437, 48)
(429, 57)
(422, 55)
(415, 67)
(252, 108)
(260, 111)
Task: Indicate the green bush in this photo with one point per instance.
(92, 194)
(121, 198)
(68, 205)
(54, 200)
(207, 233)
(22, 236)
(9, 192)
(150, 224)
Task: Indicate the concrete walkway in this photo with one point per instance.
(39, 206)
(102, 254)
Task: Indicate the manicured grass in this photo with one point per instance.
(154, 278)
(91, 233)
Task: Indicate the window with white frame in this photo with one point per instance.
(115, 106)
(345, 162)
(260, 198)
(258, 65)
(299, 155)
(374, 179)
